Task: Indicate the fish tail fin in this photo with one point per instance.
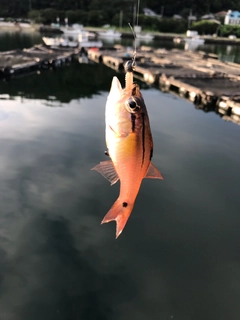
(119, 212)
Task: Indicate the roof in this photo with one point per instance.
(233, 14)
(208, 16)
(221, 13)
(177, 16)
(149, 12)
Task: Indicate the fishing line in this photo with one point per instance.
(128, 67)
(135, 46)
(138, 4)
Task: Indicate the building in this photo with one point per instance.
(221, 14)
(232, 18)
(150, 13)
(177, 17)
(208, 17)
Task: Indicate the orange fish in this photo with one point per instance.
(130, 147)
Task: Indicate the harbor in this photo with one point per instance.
(202, 78)
(197, 76)
(17, 63)
(176, 258)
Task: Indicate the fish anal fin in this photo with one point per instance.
(153, 173)
(107, 170)
(119, 212)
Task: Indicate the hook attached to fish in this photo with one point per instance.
(129, 143)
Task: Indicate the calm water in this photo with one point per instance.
(18, 40)
(177, 258)
(21, 40)
(225, 53)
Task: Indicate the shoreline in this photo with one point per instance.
(11, 26)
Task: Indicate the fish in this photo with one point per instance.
(129, 146)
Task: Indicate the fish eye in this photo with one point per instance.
(132, 105)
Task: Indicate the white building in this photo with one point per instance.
(208, 17)
(177, 17)
(232, 17)
(149, 12)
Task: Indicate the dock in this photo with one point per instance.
(197, 76)
(212, 85)
(16, 63)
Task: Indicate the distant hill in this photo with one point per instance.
(16, 8)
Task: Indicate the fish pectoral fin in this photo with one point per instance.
(119, 134)
(153, 173)
(107, 170)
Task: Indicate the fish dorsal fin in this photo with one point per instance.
(153, 172)
(115, 90)
(107, 170)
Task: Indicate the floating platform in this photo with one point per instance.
(197, 76)
(19, 62)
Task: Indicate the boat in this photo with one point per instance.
(84, 42)
(144, 36)
(191, 46)
(59, 42)
(178, 40)
(195, 40)
(110, 34)
(75, 29)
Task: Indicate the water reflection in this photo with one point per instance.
(219, 107)
(177, 257)
(225, 53)
(12, 40)
(21, 39)
(50, 227)
(77, 81)
(54, 280)
(66, 83)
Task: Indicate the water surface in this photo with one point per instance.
(10, 40)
